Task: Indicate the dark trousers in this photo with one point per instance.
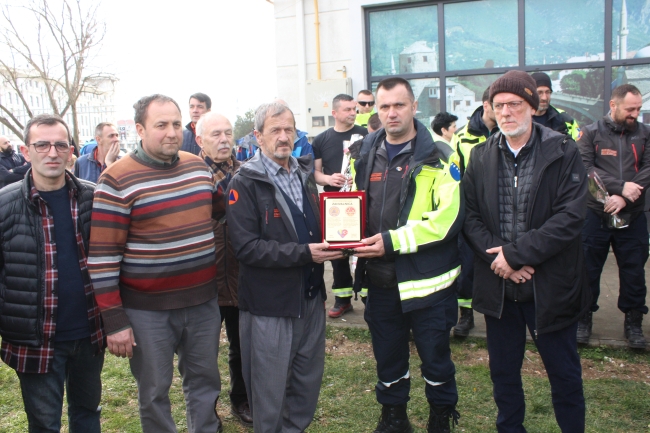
(506, 340)
(237, 393)
(630, 247)
(342, 286)
(76, 367)
(389, 329)
(466, 278)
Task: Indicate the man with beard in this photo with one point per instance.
(12, 164)
(525, 191)
(328, 159)
(616, 148)
(548, 115)
(214, 135)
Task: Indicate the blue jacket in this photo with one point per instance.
(189, 141)
(88, 168)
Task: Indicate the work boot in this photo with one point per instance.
(439, 418)
(465, 322)
(633, 332)
(584, 328)
(339, 309)
(394, 420)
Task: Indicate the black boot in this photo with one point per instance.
(394, 420)
(584, 328)
(440, 417)
(465, 322)
(633, 331)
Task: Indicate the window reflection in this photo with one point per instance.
(467, 95)
(630, 29)
(493, 44)
(555, 35)
(404, 41)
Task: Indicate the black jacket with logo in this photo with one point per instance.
(262, 232)
(618, 156)
(552, 244)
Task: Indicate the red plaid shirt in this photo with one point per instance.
(28, 359)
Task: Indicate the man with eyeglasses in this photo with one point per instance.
(549, 116)
(328, 154)
(365, 107)
(12, 164)
(525, 191)
(50, 323)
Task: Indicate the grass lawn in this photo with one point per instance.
(617, 390)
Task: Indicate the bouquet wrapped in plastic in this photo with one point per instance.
(598, 190)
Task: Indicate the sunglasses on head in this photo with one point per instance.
(368, 103)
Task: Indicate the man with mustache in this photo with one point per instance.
(549, 116)
(525, 191)
(152, 264)
(274, 220)
(214, 135)
(616, 147)
(328, 159)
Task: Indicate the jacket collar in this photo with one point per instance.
(30, 193)
(423, 147)
(254, 167)
(617, 128)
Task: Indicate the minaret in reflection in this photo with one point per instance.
(622, 33)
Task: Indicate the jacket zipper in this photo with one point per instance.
(383, 199)
(225, 257)
(514, 203)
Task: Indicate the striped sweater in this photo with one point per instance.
(151, 242)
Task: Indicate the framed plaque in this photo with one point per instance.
(343, 218)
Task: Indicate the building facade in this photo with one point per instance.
(93, 107)
(588, 47)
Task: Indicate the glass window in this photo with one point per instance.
(638, 76)
(630, 29)
(579, 92)
(554, 34)
(491, 45)
(404, 41)
(465, 95)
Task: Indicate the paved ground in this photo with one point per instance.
(608, 321)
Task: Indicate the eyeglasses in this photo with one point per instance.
(45, 146)
(368, 103)
(512, 105)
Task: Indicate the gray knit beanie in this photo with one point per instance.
(518, 83)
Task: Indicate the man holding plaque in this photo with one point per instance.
(616, 148)
(275, 229)
(414, 209)
(328, 164)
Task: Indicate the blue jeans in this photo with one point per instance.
(75, 365)
(506, 340)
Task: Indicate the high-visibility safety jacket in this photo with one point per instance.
(560, 121)
(471, 134)
(362, 119)
(424, 241)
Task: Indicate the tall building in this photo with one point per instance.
(93, 107)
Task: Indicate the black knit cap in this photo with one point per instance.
(518, 83)
(542, 79)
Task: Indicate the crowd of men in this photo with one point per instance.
(148, 254)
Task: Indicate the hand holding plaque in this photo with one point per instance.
(343, 218)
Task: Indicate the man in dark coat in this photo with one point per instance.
(214, 135)
(525, 191)
(12, 164)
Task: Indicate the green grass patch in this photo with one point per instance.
(347, 401)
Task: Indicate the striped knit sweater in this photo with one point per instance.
(151, 242)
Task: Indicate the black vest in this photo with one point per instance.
(308, 232)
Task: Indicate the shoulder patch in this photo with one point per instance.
(233, 197)
(575, 177)
(454, 171)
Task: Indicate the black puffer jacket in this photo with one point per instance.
(22, 273)
(552, 244)
(515, 180)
